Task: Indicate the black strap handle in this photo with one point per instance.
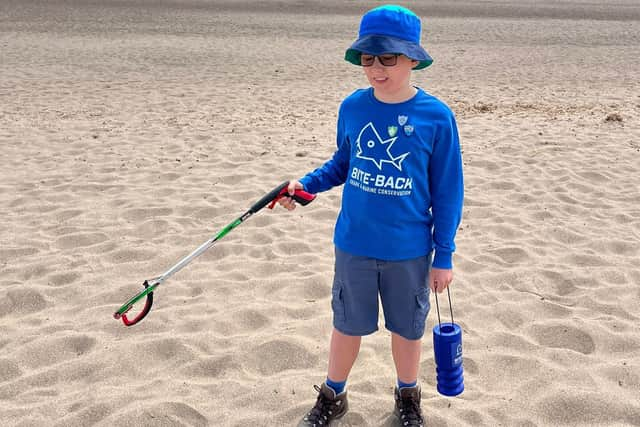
(438, 307)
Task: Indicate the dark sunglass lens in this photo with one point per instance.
(366, 60)
(388, 60)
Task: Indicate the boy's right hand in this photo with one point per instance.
(287, 202)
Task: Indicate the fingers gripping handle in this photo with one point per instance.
(299, 196)
(279, 192)
(269, 197)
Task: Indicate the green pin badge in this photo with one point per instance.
(393, 130)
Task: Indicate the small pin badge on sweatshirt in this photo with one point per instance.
(408, 129)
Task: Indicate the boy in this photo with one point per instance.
(399, 159)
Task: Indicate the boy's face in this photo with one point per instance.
(389, 80)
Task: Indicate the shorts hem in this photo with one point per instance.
(353, 333)
(411, 337)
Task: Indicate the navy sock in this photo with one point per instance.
(405, 385)
(337, 386)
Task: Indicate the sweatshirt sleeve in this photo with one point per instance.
(447, 191)
(334, 171)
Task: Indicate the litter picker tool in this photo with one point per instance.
(150, 285)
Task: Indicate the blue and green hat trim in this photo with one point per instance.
(389, 29)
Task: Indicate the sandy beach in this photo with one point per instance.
(131, 131)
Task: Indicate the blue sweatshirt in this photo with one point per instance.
(402, 173)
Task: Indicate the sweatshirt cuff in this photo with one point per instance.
(305, 183)
(442, 259)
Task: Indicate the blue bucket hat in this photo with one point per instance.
(389, 29)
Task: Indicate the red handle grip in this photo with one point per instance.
(147, 308)
(299, 196)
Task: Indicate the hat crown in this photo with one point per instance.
(393, 21)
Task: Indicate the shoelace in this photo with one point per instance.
(322, 409)
(410, 412)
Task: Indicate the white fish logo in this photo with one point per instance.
(372, 147)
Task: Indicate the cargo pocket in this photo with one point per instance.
(337, 302)
(422, 309)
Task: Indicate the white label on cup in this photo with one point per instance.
(456, 351)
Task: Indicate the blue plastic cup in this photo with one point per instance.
(447, 348)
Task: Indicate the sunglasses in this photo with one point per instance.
(386, 59)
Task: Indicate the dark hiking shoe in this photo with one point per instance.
(328, 407)
(408, 406)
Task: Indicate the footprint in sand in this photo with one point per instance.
(34, 271)
(167, 413)
(510, 318)
(10, 253)
(9, 370)
(292, 248)
(62, 279)
(564, 337)
(585, 408)
(260, 238)
(585, 260)
(20, 301)
(262, 220)
(559, 283)
(310, 288)
(90, 414)
(167, 349)
(48, 351)
(208, 214)
(151, 228)
(138, 215)
(504, 231)
(472, 202)
(622, 247)
(276, 356)
(131, 255)
(322, 214)
(510, 367)
(250, 320)
(213, 367)
(241, 322)
(67, 214)
(80, 240)
(512, 255)
(502, 185)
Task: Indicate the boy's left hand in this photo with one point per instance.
(439, 279)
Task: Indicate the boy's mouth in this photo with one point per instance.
(380, 79)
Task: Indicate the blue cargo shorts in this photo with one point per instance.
(402, 286)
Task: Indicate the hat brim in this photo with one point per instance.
(377, 45)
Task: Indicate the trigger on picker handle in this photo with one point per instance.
(299, 196)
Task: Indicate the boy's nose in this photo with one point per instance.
(377, 63)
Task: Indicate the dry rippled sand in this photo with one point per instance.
(133, 131)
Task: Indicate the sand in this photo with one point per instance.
(132, 131)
